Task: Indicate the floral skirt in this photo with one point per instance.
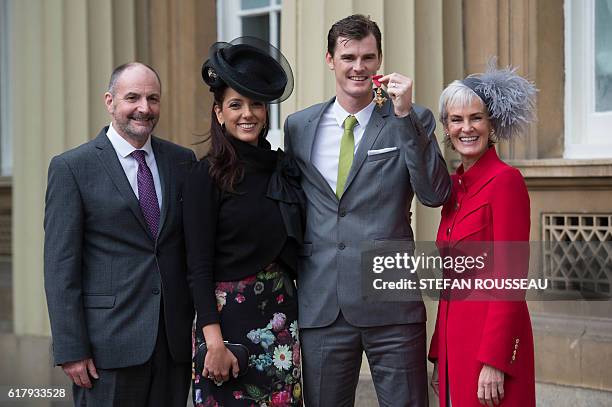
(259, 312)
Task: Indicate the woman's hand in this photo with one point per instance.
(490, 386)
(218, 363)
(435, 382)
(219, 360)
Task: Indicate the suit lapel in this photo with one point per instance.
(310, 131)
(110, 162)
(165, 176)
(375, 126)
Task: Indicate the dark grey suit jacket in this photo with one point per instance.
(372, 210)
(105, 275)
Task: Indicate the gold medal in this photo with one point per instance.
(379, 99)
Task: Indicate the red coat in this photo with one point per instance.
(489, 203)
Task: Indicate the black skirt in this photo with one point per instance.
(259, 312)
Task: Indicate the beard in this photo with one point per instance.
(136, 132)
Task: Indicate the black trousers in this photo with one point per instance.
(160, 382)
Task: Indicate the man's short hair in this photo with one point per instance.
(122, 68)
(355, 27)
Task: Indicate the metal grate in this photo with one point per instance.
(577, 252)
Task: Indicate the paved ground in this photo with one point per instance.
(25, 361)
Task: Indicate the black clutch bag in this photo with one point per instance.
(240, 351)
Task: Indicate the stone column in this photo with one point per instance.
(180, 33)
(62, 53)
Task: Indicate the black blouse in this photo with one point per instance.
(231, 236)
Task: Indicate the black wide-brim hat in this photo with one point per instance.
(252, 67)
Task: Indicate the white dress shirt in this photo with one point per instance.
(326, 147)
(129, 163)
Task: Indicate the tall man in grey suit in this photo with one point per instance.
(359, 177)
(115, 269)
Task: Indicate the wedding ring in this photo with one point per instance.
(218, 382)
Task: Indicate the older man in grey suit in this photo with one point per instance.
(115, 269)
(361, 164)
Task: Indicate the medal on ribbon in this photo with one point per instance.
(379, 99)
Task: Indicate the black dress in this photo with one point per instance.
(241, 253)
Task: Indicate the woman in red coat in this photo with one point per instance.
(483, 350)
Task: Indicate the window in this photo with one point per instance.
(588, 88)
(6, 160)
(254, 18)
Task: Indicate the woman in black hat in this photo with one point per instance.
(242, 222)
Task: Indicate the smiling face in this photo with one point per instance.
(354, 62)
(468, 128)
(134, 104)
(244, 118)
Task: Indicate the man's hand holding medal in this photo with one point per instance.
(399, 89)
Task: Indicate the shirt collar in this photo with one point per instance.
(122, 146)
(363, 116)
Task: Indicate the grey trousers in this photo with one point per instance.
(331, 360)
(160, 382)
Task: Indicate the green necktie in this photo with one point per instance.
(347, 150)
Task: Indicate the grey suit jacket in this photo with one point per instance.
(105, 275)
(374, 208)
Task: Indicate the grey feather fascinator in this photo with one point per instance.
(509, 98)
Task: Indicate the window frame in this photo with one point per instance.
(585, 134)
